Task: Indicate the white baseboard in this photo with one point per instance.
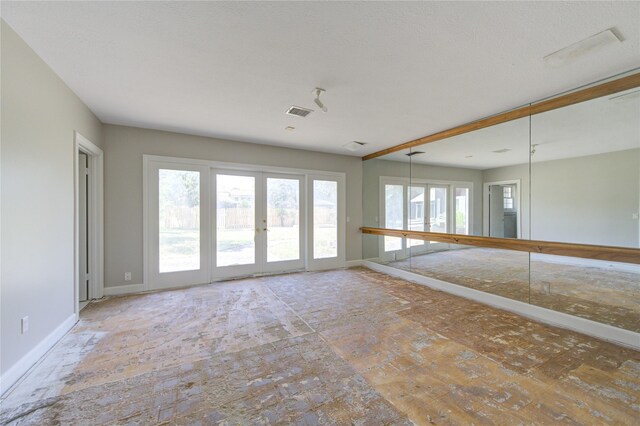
(559, 319)
(124, 289)
(20, 368)
(352, 263)
(591, 263)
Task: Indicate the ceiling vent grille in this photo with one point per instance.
(299, 111)
(354, 146)
(502, 151)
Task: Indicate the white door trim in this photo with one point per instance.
(485, 205)
(96, 218)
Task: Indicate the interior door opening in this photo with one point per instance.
(83, 227)
(87, 222)
(503, 215)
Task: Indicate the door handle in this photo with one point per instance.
(265, 229)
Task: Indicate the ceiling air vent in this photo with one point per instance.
(354, 146)
(501, 151)
(299, 111)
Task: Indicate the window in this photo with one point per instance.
(394, 214)
(325, 219)
(283, 219)
(462, 211)
(235, 220)
(179, 220)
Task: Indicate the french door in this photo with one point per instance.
(259, 223)
(428, 210)
(204, 222)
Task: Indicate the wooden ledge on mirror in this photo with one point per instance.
(581, 95)
(585, 251)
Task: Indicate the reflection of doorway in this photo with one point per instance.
(502, 209)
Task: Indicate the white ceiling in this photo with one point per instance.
(607, 124)
(393, 71)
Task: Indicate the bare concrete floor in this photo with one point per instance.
(596, 290)
(339, 347)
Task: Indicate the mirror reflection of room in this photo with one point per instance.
(569, 175)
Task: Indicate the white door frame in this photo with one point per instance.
(485, 205)
(96, 218)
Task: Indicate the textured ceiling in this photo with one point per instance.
(393, 71)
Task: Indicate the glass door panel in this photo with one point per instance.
(462, 204)
(235, 223)
(438, 219)
(417, 196)
(283, 219)
(393, 214)
(179, 220)
(236, 210)
(281, 223)
(325, 219)
(178, 246)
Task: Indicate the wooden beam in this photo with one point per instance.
(604, 89)
(585, 251)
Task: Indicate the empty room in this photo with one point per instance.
(319, 213)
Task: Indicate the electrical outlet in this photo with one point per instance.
(127, 276)
(24, 325)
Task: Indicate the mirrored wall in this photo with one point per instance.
(568, 175)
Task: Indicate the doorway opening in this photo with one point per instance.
(88, 173)
(83, 229)
(502, 209)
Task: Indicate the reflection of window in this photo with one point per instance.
(507, 192)
(417, 211)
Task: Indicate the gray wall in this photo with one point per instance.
(588, 200)
(124, 148)
(39, 116)
(373, 169)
